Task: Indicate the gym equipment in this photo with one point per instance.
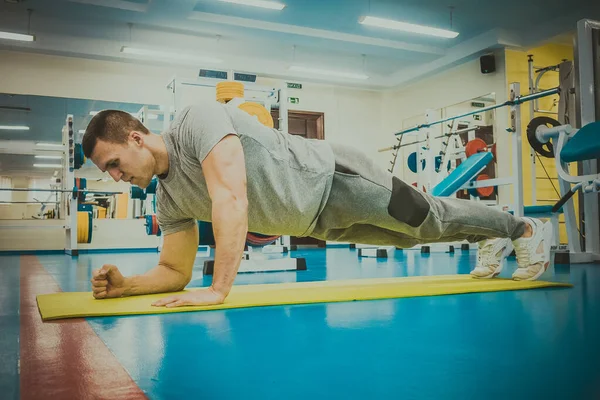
(256, 239)
(571, 145)
(438, 164)
(478, 145)
(464, 173)
(80, 158)
(544, 149)
(227, 91)
(84, 227)
(485, 191)
(269, 97)
(137, 192)
(564, 78)
(587, 100)
(206, 234)
(585, 145)
(514, 101)
(449, 185)
(534, 84)
(152, 227)
(82, 304)
(251, 261)
(251, 264)
(75, 191)
(259, 111)
(151, 189)
(412, 162)
(475, 146)
(375, 252)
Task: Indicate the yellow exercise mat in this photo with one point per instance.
(82, 304)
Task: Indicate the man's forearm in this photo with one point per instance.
(230, 224)
(160, 279)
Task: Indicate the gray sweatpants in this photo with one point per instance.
(369, 205)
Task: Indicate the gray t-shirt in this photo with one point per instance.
(288, 177)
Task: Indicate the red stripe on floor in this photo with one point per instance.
(64, 359)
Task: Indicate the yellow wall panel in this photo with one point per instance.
(517, 71)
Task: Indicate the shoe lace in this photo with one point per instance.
(485, 255)
(523, 255)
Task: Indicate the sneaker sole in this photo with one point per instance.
(505, 253)
(548, 234)
(490, 276)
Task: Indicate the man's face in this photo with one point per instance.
(128, 162)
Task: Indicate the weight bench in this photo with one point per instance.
(465, 172)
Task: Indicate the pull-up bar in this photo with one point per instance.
(517, 100)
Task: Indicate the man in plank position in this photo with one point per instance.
(217, 163)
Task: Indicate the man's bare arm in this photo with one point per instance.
(172, 273)
(225, 173)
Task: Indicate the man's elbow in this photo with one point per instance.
(182, 281)
(178, 280)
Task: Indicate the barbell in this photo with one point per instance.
(75, 191)
(482, 191)
(478, 145)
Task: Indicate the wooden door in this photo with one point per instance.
(309, 125)
(303, 123)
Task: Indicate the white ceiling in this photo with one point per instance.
(318, 33)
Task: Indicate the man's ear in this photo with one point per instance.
(137, 137)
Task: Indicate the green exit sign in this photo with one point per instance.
(476, 104)
(292, 85)
(294, 100)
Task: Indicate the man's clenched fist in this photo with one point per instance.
(108, 282)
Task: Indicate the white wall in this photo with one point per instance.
(350, 114)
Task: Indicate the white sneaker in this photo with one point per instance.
(490, 257)
(533, 253)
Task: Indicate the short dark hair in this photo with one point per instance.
(111, 126)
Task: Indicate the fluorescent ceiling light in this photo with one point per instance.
(82, 131)
(50, 144)
(47, 165)
(325, 72)
(169, 55)
(406, 27)
(273, 5)
(92, 113)
(14, 128)
(50, 157)
(16, 36)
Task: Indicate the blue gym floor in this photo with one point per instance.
(531, 344)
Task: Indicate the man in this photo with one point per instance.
(217, 163)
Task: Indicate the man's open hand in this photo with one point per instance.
(108, 282)
(201, 297)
